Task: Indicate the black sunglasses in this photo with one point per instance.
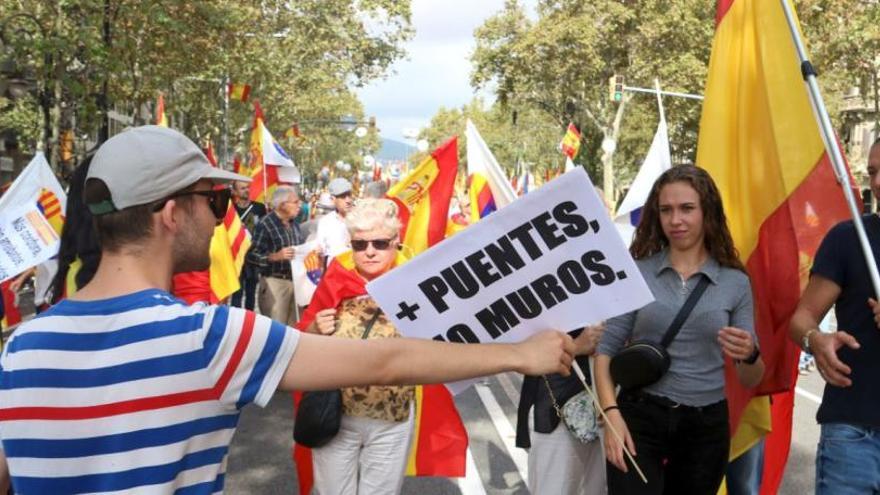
(380, 244)
(218, 200)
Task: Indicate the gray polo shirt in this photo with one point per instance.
(696, 374)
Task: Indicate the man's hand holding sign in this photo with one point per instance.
(551, 259)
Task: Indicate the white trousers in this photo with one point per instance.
(367, 457)
(559, 464)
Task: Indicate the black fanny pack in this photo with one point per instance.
(642, 363)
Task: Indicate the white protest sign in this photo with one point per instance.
(26, 240)
(550, 260)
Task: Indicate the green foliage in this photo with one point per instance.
(301, 58)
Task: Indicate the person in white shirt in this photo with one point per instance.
(332, 237)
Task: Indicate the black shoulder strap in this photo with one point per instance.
(371, 323)
(685, 311)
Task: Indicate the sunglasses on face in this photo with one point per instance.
(218, 200)
(379, 244)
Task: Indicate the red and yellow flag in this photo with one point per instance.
(50, 206)
(239, 91)
(759, 141)
(571, 142)
(423, 198)
(265, 179)
(9, 313)
(439, 444)
(229, 245)
(161, 118)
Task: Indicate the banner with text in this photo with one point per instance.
(550, 260)
(26, 240)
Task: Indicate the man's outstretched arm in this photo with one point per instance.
(322, 363)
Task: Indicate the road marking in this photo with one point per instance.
(505, 430)
(471, 484)
(509, 389)
(809, 395)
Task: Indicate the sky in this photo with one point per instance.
(436, 70)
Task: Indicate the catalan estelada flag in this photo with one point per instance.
(239, 92)
(423, 198)
(571, 141)
(759, 141)
(161, 118)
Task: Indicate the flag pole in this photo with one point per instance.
(660, 100)
(831, 145)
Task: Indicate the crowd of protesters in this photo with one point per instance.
(155, 379)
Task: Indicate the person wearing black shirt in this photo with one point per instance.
(848, 455)
(250, 213)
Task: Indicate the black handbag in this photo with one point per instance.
(320, 412)
(642, 362)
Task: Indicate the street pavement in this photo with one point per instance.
(260, 458)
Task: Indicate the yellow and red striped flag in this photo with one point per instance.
(266, 157)
(239, 91)
(571, 141)
(161, 118)
(439, 443)
(229, 245)
(423, 198)
(51, 208)
(759, 141)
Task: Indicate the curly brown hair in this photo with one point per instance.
(649, 237)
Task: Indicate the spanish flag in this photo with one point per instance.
(439, 444)
(161, 118)
(239, 92)
(423, 198)
(759, 141)
(229, 245)
(571, 142)
(266, 156)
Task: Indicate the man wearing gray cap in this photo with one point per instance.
(125, 388)
(332, 237)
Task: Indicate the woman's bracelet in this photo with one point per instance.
(610, 408)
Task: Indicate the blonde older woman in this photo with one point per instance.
(368, 455)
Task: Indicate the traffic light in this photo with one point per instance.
(615, 88)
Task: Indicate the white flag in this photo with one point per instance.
(481, 161)
(656, 162)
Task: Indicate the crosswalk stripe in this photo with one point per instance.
(471, 484)
(505, 430)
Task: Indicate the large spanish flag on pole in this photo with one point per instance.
(439, 443)
(760, 142)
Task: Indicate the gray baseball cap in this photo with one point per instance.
(148, 163)
(339, 186)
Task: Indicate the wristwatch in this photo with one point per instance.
(805, 342)
(753, 357)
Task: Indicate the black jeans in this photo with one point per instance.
(248, 290)
(682, 450)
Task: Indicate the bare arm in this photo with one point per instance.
(816, 300)
(322, 363)
(738, 344)
(608, 400)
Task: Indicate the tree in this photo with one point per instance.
(301, 58)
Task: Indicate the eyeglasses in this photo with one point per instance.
(218, 200)
(380, 244)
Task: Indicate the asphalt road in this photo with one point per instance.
(260, 458)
